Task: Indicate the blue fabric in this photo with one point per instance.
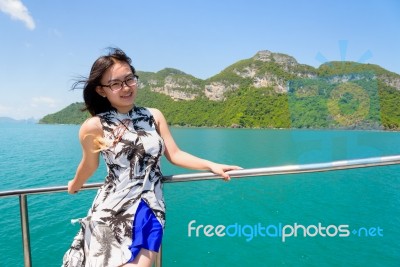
(147, 231)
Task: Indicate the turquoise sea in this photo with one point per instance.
(350, 217)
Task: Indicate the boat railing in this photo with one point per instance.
(267, 171)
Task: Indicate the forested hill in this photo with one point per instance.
(269, 90)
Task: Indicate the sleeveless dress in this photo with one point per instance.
(128, 212)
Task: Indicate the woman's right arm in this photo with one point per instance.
(89, 131)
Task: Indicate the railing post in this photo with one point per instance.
(23, 206)
(158, 262)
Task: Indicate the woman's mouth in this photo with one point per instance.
(127, 96)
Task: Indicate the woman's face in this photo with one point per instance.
(122, 99)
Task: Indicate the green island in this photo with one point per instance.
(269, 90)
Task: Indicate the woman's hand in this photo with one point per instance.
(71, 189)
(222, 169)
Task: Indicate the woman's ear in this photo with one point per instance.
(100, 90)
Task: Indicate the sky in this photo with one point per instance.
(46, 45)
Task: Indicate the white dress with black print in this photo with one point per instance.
(128, 212)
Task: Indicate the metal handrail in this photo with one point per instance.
(267, 171)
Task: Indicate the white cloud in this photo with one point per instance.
(35, 107)
(43, 100)
(4, 110)
(15, 112)
(17, 11)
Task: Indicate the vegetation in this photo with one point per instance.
(72, 114)
(389, 103)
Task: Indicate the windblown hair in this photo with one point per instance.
(94, 103)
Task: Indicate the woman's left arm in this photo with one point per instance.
(184, 159)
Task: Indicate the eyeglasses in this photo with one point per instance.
(118, 85)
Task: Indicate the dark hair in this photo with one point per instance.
(94, 103)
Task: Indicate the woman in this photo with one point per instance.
(124, 226)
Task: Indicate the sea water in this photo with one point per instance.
(336, 218)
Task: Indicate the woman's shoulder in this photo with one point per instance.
(157, 114)
(153, 111)
(91, 126)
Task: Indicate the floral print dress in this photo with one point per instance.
(132, 153)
